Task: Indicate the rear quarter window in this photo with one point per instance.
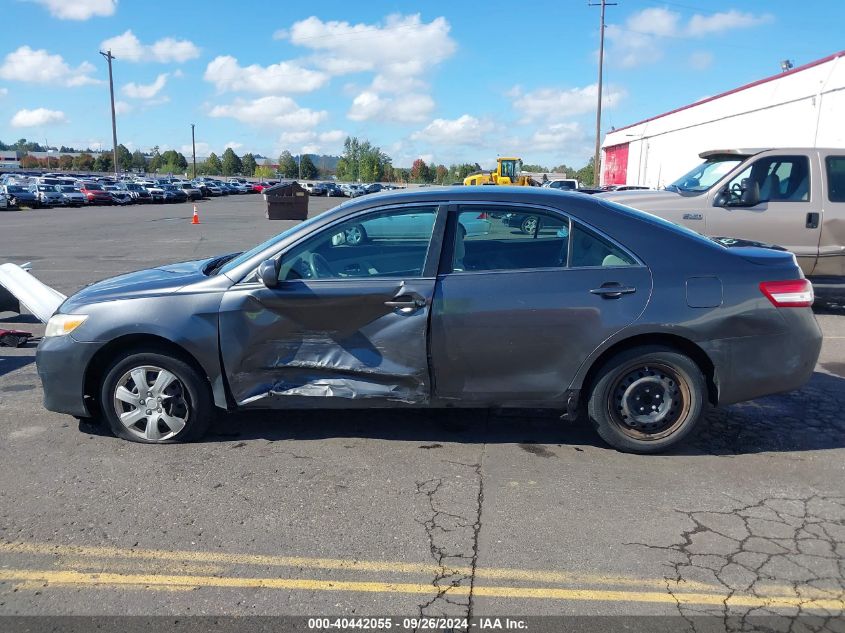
(835, 178)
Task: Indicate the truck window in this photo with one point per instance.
(781, 178)
(835, 178)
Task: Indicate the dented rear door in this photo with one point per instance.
(358, 335)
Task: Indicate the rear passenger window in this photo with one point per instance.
(835, 178)
(502, 238)
(589, 249)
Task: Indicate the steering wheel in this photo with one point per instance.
(319, 266)
(736, 189)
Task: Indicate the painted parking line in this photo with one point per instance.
(110, 580)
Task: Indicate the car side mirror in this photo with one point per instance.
(750, 196)
(268, 272)
(723, 198)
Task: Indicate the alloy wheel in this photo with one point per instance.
(152, 403)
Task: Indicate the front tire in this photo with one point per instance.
(646, 399)
(155, 398)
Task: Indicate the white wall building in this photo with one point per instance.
(802, 107)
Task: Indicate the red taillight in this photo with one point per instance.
(482, 216)
(796, 293)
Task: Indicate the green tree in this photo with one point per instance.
(441, 174)
(264, 172)
(308, 168)
(287, 165)
(83, 162)
(124, 157)
(213, 165)
(586, 174)
(172, 158)
(564, 169)
(65, 162)
(535, 168)
(138, 161)
(248, 164)
(231, 163)
(155, 160)
(420, 172)
(104, 162)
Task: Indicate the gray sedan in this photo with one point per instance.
(614, 314)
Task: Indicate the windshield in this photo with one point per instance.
(15, 188)
(46, 188)
(705, 175)
(244, 257)
(68, 189)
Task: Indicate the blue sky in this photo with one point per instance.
(452, 82)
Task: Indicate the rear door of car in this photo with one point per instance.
(515, 314)
(348, 323)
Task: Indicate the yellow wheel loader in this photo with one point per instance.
(507, 173)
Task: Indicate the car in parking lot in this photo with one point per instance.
(47, 195)
(172, 193)
(19, 196)
(191, 190)
(119, 196)
(95, 193)
(618, 315)
(73, 197)
(138, 192)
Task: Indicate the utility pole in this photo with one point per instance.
(109, 57)
(194, 149)
(597, 156)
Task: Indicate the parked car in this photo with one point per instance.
(565, 184)
(174, 194)
(193, 192)
(531, 223)
(47, 195)
(138, 192)
(213, 190)
(373, 188)
(95, 193)
(4, 201)
(120, 196)
(792, 197)
(73, 197)
(628, 318)
(19, 196)
(332, 190)
(156, 192)
(314, 188)
(223, 187)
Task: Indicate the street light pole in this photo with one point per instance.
(597, 155)
(109, 57)
(194, 149)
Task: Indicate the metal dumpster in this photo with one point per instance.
(286, 201)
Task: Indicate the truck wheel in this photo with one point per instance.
(529, 224)
(155, 398)
(646, 399)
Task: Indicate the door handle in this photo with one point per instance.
(812, 221)
(406, 301)
(612, 291)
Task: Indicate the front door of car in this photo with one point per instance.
(520, 305)
(347, 323)
(789, 211)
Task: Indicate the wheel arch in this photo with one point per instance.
(97, 366)
(672, 341)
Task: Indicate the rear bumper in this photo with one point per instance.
(755, 366)
(61, 363)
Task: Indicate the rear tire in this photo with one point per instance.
(174, 403)
(647, 399)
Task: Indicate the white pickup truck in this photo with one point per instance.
(794, 198)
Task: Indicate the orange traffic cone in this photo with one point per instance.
(196, 218)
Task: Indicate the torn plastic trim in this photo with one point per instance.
(40, 299)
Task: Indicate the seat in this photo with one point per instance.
(771, 188)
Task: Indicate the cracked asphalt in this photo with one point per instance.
(406, 513)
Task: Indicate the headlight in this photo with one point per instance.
(61, 324)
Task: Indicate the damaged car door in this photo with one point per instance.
(338, 318)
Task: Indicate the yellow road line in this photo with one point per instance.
(544, 593)
(426, 569)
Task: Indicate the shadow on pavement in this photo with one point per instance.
(8, 364)
(805, 420)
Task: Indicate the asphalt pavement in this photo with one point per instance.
(402, 513)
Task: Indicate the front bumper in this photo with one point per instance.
(61, 362)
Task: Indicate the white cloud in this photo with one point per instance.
(39, 66)
(273, 111)
(406, 108)
(701, 60)
(640, 39)
(310, 141)
(122, 107)
(555, 104)
(37, 117)
(166, 50)
(203, 149)
(146, 91)
(401, 46)
(465, 130)
(284, 77)
(281, 34)
(79, 9)
(556, 137)
(233, 145)
(4, 92)
(701, 25)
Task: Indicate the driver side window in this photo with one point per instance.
(780, 178)
(392, 243)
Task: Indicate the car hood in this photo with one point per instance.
(646, 200)
(143, 283)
